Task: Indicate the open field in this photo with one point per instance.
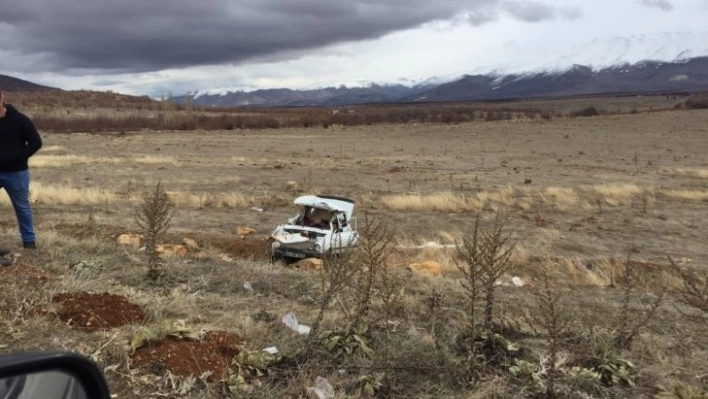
(581, 195)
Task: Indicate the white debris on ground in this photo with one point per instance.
(321, 390)
(271, 350)
(291, 321)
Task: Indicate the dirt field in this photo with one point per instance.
(586, 191)
(629, 153)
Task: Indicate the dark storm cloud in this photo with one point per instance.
(662, 4)
(140, 35)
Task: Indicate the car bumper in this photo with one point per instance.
(285, 252)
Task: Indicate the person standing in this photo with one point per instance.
(19, 140)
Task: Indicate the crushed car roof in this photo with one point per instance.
(328, 202)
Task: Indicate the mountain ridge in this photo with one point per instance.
(684, 76)
(10, 84)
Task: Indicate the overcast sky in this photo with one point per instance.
(158, 47)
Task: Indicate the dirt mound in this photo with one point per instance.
(245, 248)
(249, 247)
(213, 354)
(97, 311)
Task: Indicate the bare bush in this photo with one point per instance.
(589, 111)
(629, 326)
(693, 291)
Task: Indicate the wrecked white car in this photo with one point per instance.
(325, 225)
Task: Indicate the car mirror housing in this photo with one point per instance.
(51, 375)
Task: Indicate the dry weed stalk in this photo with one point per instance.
(628, 329)
(551, 315)
(336, 271)
(373, 279)
(693, 291)
(153, 218)
(469, 263)
(354, 280)
(485, 258)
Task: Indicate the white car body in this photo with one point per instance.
(324, 225)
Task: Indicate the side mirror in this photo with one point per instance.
(50, 375)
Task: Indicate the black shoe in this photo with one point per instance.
(4, 252)
(5, 262)
(29, 245)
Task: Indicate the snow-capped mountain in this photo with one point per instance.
(607, 52)
(666, 62)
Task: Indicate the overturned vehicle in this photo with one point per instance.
(325, 225)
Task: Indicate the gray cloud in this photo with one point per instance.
(662, 4)
(529, 11)
(522, 10)
(139, 35)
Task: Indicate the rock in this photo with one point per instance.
(190, 244)
(309, 264)
(518, 281)
(429, 267)
(227, 258)
(244, 231)
(294, 186)
(171, 250)
(580, 265)
(130, 240)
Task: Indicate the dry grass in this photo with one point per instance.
(690, 172)
(562, 198)
(616, 194)
(52, 148)
(582, 247)
(47, 194)
(229, 200)
(502, 198)
(687, 195)
(59, 161)
(448, 201)
(439, 202)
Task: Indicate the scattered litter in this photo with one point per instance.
(518, 281)
(271, 349)
(321, 390)
(257, 209)
(291, 321)
(247, 285)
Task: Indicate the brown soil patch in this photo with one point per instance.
(250, 247)
(97, 311)
(25, 275)
(82, 231)
(186, 358)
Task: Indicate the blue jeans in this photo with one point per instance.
(16, 184)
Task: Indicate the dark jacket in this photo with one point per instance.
(19, 140)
